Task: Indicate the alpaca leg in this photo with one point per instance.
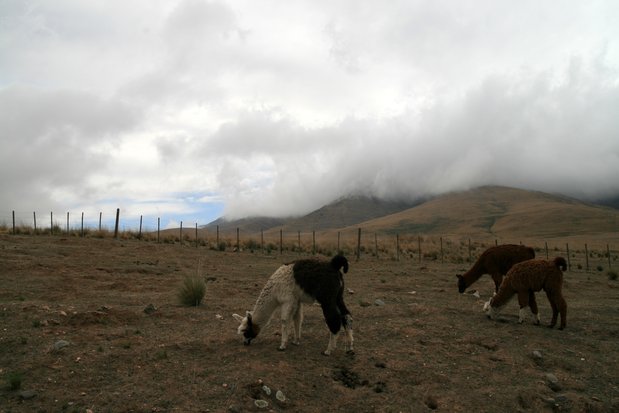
(497, 278)
(298, 320)
(533, 305)
(555, 309)
(287, 309)
(332, 344)
(333, 319)
(523, 301)
(562, 305)
(347, 323)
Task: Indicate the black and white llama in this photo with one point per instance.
(291, 285)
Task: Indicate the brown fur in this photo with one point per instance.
(495, 261)
(528, 277)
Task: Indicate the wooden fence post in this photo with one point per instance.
(158, 229)
(117, 222)
(376, 245)
(314, 242)
(181, 234)
(358, 244)
(14, 223)
(82, 227)
(140, 231)
(100, 215)
(68, 222)
(419, 247)
(442, 260)
(34, 216)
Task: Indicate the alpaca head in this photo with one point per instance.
(491, 312)
(461, 283)
(247, 327)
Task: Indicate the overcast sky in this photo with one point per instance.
(193, 109)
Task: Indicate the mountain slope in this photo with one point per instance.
(500, 212)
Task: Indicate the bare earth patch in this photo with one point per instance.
(74, 336)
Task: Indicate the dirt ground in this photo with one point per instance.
(422, 347)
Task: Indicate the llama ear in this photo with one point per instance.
(238, 317)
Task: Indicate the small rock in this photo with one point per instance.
(431, 402)
(553, 382)
(537, 355)
(266, 389)
(476, 294)
(280, 396)
(261, 404)
(219, 316)
(380, 365)
(350, 291)
(27, 394)
(412, 292)
(379, 302)
(364, 304)
(60, 344)
(149, 309)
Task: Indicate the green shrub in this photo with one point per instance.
(14, 380)
(191, 293)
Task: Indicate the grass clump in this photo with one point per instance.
(192, 291)
(14, 380)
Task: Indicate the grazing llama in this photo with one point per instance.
(302, 281)
(495, 261)
(525, 279)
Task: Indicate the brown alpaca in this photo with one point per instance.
(495, 261)
(525, 279)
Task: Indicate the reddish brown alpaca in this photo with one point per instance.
(495, 261)
(525, 279)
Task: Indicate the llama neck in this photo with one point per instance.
(264, 308)
(476, 271)
(502, 297)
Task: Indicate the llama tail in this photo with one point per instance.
(560, 263)
(338, 262)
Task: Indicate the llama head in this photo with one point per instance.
(461, 283)
(491, 312)
(247, 327)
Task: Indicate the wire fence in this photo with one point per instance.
(593, 256)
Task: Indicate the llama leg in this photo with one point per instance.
(349, 336)
(562, 306)
(523, 301)
(298, 320)
(497, 278)
(287, 309)
(334, 322)
(555, 309)
(533, 305)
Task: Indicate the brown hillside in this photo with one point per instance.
(500, 212)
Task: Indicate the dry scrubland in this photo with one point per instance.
(422, 347)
